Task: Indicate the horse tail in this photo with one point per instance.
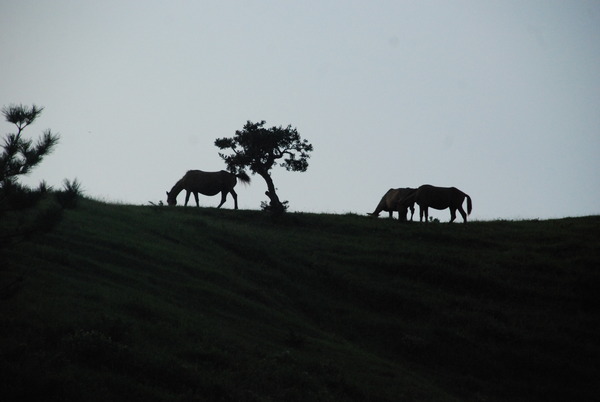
(243, 176)
(469, 205)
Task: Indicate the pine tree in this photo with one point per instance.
(20, 155)
(19, 216)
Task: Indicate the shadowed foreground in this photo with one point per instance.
(181, 304)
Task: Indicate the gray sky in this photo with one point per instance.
(498, 98)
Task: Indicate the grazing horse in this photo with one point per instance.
(207, 183)
(389, 202)
(438, 198)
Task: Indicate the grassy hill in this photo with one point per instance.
(144, 303)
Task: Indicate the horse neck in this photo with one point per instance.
(177, 188)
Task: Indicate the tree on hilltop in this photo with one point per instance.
(18, 156)
(258, 149)
(23, 211)
(21, 155)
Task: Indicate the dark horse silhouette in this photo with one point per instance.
(438, 198)
(389, 202)
(207, 183)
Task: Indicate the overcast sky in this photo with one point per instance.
(498, 98)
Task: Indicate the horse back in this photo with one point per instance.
(208, 183)
(390, 200)
(439, 197)
(386, 203)
(406, 196)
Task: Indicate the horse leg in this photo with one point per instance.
(197, 201)
(462, 213)
(223, 198)
(412, 212)
(423, 211)
(402, 211)
(187, 197)
(234, 195)
(452, 214)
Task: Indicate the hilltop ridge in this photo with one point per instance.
(158, 303)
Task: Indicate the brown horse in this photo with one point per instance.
(207, 183)
(438, 198)
(389, 202)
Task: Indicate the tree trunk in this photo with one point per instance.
(276, 207)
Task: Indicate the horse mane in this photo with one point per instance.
(178, 187)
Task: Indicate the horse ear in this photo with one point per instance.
(167, 193)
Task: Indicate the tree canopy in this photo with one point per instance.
(21, 155)
(22, 212)
(258, 149)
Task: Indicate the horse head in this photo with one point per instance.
(171, 201)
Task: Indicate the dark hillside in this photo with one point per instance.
(182, 304)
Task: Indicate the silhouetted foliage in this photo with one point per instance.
(25, 211)
(258, 149)
(68, 197)
(21, 155)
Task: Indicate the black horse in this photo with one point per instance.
(389, 203)
(437, 198)
(207, 183)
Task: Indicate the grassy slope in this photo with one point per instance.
(150, 303)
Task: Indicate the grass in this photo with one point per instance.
(180, 304)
